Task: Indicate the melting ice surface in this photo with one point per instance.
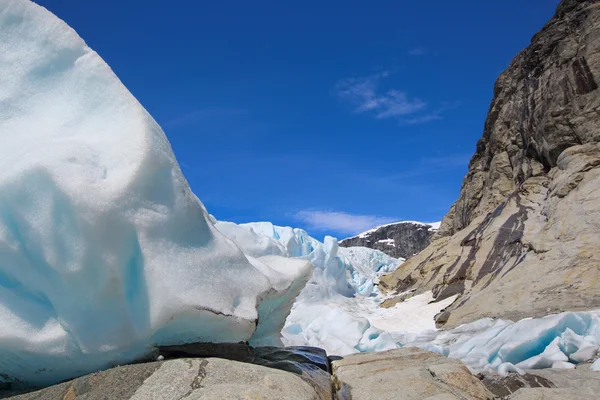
(555, 341)
(339, 311)
(104, 249)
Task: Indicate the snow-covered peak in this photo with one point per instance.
(399, 239)
(434, 226)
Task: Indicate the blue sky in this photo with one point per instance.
(333, 116)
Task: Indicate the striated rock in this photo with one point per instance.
(192, 379)
(522, 238)
(405, 374)
(546, 384)
(399, 240)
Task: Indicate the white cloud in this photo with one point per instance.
(338, 221)
(363, 94)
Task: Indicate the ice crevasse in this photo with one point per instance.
(104, 249)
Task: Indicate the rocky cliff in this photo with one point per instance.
(399, 240)
(522, 238)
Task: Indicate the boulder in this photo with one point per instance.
(405, 374)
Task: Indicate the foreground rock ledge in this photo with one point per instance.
(186, 378)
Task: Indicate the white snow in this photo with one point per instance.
(389, 242)
(413, 315)
(104, 248)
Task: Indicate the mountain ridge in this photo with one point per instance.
(399, 239)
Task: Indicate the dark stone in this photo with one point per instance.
(230, 351)
(291, 358)
(503, 386)
(584, 79)
(310, 363)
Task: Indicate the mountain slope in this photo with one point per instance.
(399, 240)
(522, 238)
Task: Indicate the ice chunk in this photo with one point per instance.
(292, 275)
(584, 354)
(563, 365)
(104, 249)
(547, 358)
(596, 365)
(553, 341)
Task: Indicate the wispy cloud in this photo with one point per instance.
(417, 51)
(339, 221)
(363, 94)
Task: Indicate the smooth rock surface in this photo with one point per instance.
(192, 379)
(405, 374)
(522, 238)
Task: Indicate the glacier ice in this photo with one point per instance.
(104, 249)
(487, 345)
(338, 309)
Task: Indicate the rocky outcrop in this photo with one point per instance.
(522, 238)
(405, 374)
(187, 378)
(399, 240)
(546, 384)
(203, 371)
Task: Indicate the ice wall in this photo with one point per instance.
(104, 249)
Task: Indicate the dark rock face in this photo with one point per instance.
(401, 240)
(522, 238)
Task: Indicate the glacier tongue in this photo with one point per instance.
(332, 310)
(104, 249)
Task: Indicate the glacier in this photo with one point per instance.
(105, 252)
(339, 311)
(104, 249)
(338, 307)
